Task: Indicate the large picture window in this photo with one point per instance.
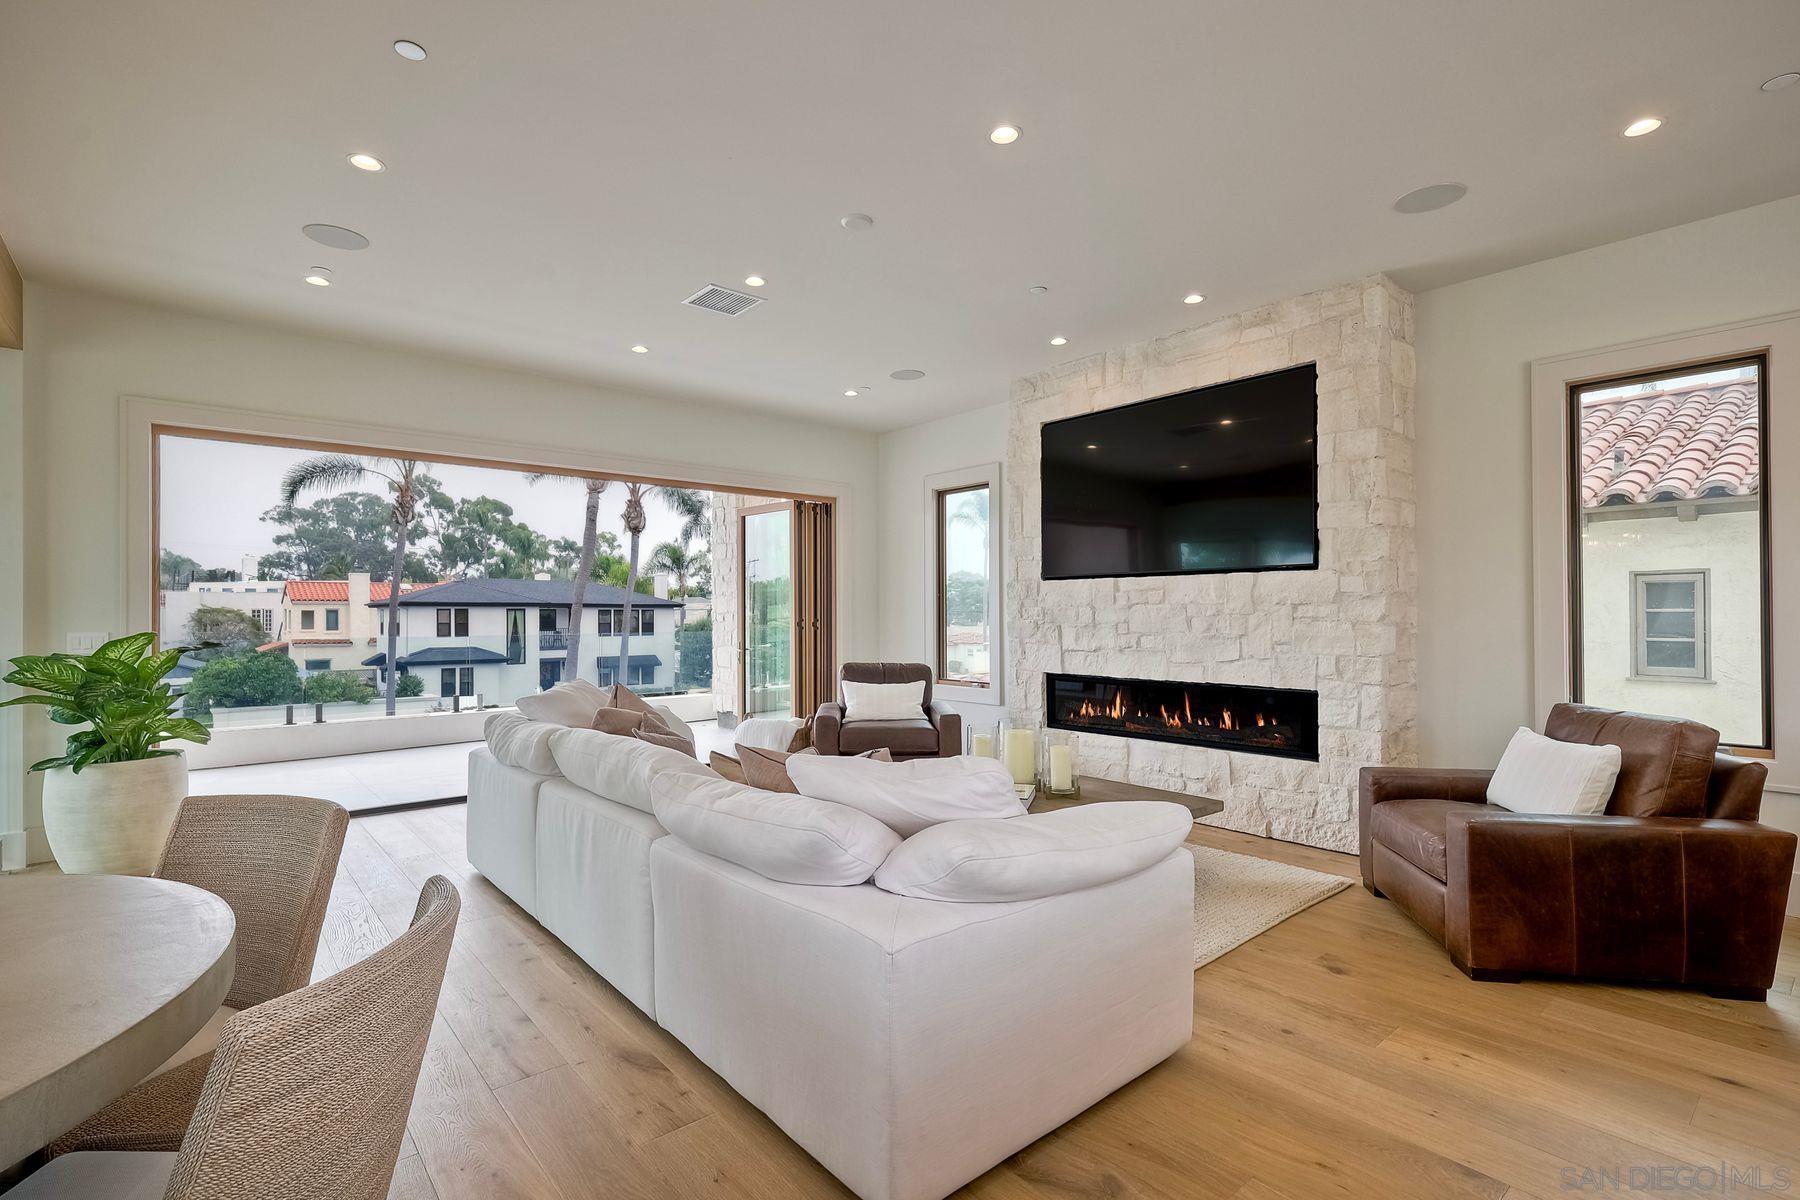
(964, 584)
(1668, 477)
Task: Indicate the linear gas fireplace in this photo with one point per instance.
(1278, 721)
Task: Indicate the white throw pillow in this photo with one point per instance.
(909, 796)
(883, 701)
(1542, 775)
(794, 839)
(767, 733)
(571, 704)
(1030, 857)
(520, 742)
(618, 768)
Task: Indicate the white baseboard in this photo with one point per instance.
(1793, 904)
(12, 850)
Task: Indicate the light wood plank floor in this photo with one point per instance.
(1338, 1055)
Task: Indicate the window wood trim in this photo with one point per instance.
(937, 486)
(1554, 514)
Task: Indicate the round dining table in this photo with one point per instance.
(102, 978)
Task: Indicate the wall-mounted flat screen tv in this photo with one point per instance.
(1222, 478)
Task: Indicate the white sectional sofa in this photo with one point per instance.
(907, 1044)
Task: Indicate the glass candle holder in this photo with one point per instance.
(1060, 770)
(980, 742)
(1017, 748)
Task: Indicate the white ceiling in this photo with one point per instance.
(562, 174)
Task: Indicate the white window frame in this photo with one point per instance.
(1552, 621)
(1701, 671)
(987, 474)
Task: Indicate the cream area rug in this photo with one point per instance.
(1237, 896)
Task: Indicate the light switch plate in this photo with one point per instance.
(87, 643)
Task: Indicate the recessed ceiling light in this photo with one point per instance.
(367, 162)
(1059, 341)
(1781, 81)
(856, 222)
(1039, 290)
(640, 348)
(754, 281)
(1192, 298)
(1643, 125)
(1005, 135)
(411, 51)
(1430, 198)
(1093, 446)
(851, 392)
(318, 276)
(1226, 421)
(907, 375)
(336, 236)
(1183, 466)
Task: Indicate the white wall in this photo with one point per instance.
(1476, 341)
(907, 457)
(12, 602)
(89, 349)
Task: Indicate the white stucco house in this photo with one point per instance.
(500, 639)
(333, 624)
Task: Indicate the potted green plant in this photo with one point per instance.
(111, 796)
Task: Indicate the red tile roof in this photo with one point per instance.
(337, 591)
(1687, 445)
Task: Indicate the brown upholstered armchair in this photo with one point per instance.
(1676, 883)
(935, 732)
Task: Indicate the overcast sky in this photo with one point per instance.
(214, 495)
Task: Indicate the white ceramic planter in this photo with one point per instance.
(113, 818)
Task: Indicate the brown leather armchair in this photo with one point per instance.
(1676, 883)
(935, 732)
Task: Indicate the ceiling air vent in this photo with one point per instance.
(722, 300)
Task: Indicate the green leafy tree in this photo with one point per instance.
(176, 571)
(479, 539)
(331, 687)
(404, 476)
(117, 692)
(410, 685)
(335, 535)
(965, 598)
(243, 681)
(232, 628)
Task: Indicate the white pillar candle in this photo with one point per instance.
(981, 745)
(1021, 755)
(1062, 769)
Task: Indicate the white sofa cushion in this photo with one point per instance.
(913, 795)
(518, 741)
(794, 839)
(767, 733)
(1030, 857)
(883, 701)
(571, 705)
(1542, 775)
(502, 825)
(618, 768)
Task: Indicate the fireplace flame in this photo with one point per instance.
(1151, 713)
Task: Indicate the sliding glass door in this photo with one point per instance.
(768, 610)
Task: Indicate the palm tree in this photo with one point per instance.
(584, 566)
(330, 472)
(695, 510)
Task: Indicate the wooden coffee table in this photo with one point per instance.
(1096, 791)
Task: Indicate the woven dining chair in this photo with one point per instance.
(307, 1095)
(272, 859)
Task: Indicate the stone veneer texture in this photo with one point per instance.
(1346, 630)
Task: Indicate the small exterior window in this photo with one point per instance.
(547, 620)
(307, 616)
(318, 664)
(610, 621)
(456, 681)
(453, 622)
(447, 681)
(331, 618)
(643, 622)
(1670, 633)
(266, 618)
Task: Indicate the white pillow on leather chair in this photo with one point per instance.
(912, 795)
(790, 838)
(1537, 774)
(1030, 857)
(883, 701)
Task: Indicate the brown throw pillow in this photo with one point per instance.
(767, 769)
(662, 737)
(624, 697)
(727, 766)
(802, 739)
(618, 721)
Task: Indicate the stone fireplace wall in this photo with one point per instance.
(1346, 630)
